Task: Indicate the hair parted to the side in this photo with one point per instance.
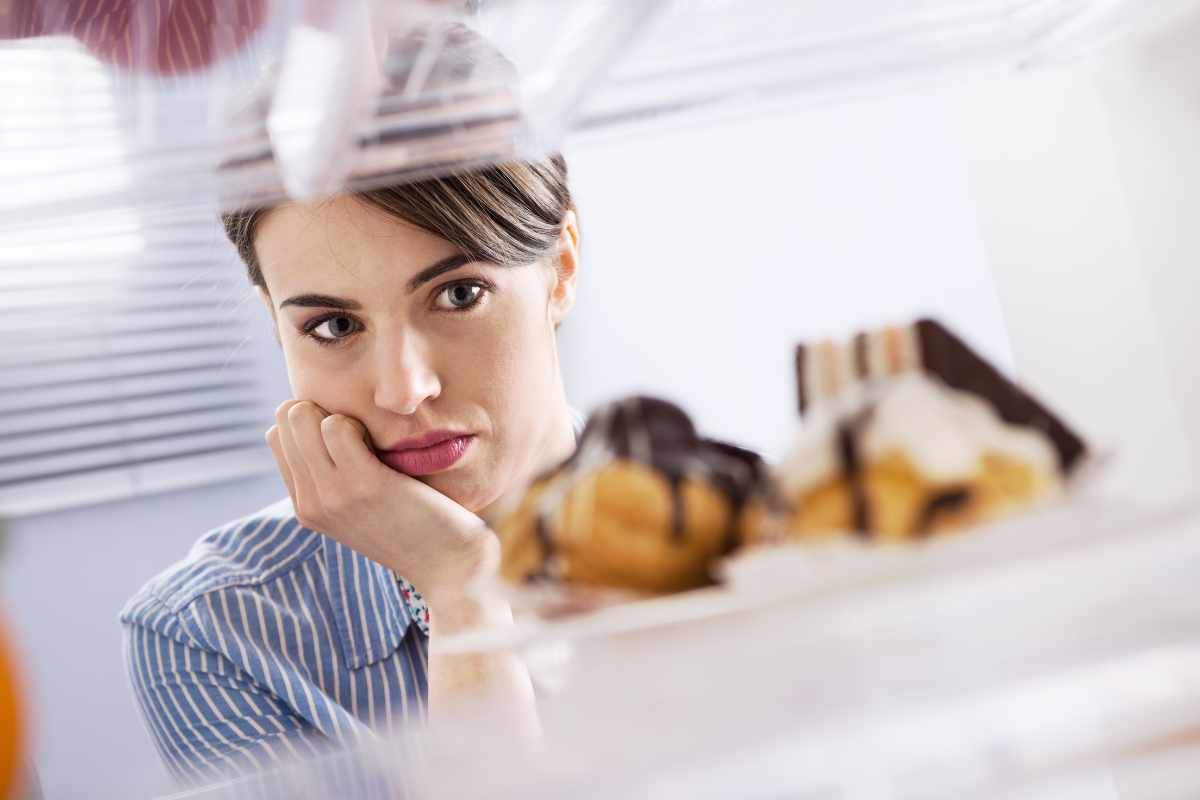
(509, 214)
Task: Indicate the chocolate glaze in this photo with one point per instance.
(860, 508)
(660, 435)
(542, 532)
(948, 357)
(947, 500)
(745, 477)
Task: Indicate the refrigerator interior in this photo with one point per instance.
(1023, 169)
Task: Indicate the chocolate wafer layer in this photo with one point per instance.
(951, 359)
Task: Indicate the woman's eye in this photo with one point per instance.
(459, 296)
(333, 328)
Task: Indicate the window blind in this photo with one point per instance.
(126, 374)
(128, 356)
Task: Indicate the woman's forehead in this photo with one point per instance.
(342, 239)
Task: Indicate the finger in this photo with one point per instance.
(303, 488)
(285, 471)
(305, 418)
(346, 439)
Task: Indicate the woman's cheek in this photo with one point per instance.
(333, 390)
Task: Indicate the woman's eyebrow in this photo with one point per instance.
(445, 265)
(321, 301)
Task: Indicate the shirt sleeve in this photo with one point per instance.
(207, 718)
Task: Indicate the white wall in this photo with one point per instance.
(1087, 185)
(709, 253)
(1049, 216)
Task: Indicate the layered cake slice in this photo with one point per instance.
(909, 432)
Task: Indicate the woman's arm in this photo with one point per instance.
(207, 720)
(339, 487)
(491, 689)
(213, 723)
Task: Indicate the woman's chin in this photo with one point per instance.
(461, 487)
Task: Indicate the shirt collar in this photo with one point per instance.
(369, 615)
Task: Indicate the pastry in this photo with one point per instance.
(644, 504)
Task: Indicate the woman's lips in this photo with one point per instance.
(427, 460)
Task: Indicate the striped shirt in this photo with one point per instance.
(271, 642)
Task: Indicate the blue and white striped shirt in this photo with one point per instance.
(271, 642)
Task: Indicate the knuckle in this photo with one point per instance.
(337, 425)
(281, 411)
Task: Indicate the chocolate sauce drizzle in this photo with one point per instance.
(541, 530)
(860, 507)
(940, 503)
(660, 435)
(802, 399)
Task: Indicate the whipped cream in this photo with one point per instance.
(943, 432)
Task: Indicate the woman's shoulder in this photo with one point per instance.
(249, 552)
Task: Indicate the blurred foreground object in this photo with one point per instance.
(1055, 656)
(12, 722)
(238, 103)
(160, 37)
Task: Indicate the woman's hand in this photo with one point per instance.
(342, 490)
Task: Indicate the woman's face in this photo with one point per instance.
(389, 324)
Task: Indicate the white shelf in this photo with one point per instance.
(1066, 661)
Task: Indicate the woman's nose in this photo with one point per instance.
(405, 376)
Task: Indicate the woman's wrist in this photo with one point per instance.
(456, 612)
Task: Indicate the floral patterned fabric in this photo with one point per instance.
(415, 605)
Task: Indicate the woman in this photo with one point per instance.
(418, 324)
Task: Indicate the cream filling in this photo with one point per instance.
(943, 432)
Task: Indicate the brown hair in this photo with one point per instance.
(510, 213)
